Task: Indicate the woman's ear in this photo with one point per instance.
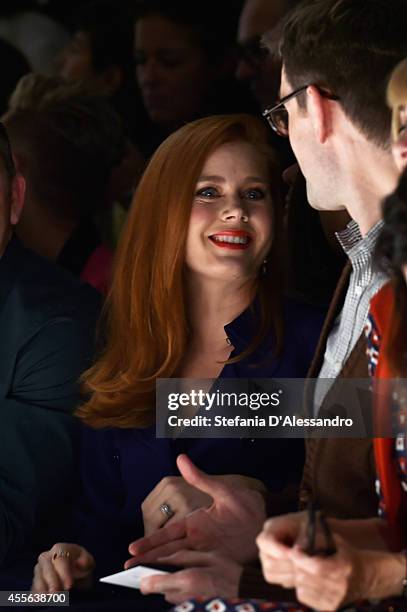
(319, 110)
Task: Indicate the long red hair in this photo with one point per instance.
(145, 316)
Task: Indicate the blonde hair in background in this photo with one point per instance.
(397, 94)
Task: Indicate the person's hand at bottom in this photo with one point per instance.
(275, 544)
(206, 574)
(327, 583)
(61, 568)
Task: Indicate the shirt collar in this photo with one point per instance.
(354, 245)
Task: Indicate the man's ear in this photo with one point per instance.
(17, 198)
(319, 110)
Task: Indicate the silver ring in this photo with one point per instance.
(167, 511)
(64, 554)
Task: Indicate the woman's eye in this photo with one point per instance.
(254, 194)
(402, 128)
(208, 192)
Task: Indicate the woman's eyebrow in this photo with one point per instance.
(212, 177)
(221, 179)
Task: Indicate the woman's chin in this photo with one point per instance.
(230, 272)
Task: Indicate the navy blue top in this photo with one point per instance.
(120, 467)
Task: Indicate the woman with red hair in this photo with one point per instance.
(197, 293)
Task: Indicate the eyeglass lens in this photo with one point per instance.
(278, 120)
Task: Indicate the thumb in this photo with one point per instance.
(198, 479)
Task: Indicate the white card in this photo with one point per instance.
(131, 578)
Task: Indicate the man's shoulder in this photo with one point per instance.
(40, 290)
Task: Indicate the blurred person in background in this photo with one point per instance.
(47, 322)
(30, 28)
(100, 55)
(185, 61)
(256, 66)
(14, 66)
(66, 143)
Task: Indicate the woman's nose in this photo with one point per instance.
(235, 209)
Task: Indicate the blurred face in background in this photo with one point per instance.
(76, 62)
(172, 70)
(399, 146)
(256, 66)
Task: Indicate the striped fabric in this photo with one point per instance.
(364, 283)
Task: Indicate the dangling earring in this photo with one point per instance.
(264, 267)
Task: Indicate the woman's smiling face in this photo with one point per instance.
(230, 228)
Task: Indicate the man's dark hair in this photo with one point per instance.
(350, 48)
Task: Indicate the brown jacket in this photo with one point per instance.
(339, 473)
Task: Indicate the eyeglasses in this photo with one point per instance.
(277, 116)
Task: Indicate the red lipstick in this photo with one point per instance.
(237, 240)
